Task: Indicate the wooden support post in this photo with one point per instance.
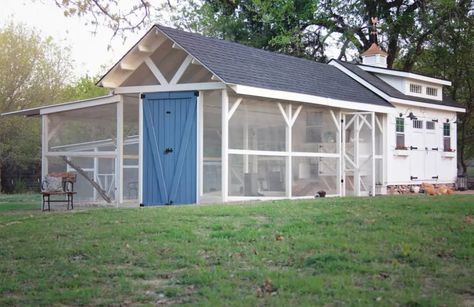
(44, 145)
(119, 157)
(289, 162)
(225, 145)
(373, 152)
(140, 150)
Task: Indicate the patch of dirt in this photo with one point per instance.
(468, 299)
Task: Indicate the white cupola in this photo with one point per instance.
(375, 56)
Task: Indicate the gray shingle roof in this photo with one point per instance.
(239, 64)
(390, 90)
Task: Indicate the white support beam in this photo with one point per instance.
(140, 150)
(289, 142)
(336, 123)
(125, 66)
(156, 72)
(144, 49)
(88, 154)
(182, 68)
(295, 116)
(284, 114)
(44, 144)
(234, 107)
(373, 154)
(195, 62)
(200, 86)
(379, 125)
(200, 142)
(225, 146)
(339, 141)
(119, 158)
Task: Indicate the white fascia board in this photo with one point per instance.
(80, 104)
(404, 74)
(291, 96)
(170, 87)
(391, 99)
(64, 106)
(427, 105)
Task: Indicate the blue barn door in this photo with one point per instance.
(169, 148)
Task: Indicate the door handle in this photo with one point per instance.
(168, 150)
(413, 147)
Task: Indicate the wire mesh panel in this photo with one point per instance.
(315, 130)
(358, 153)
(87, 129)
(257, 125)
(251, 175)
(314, 174)
(212, 143)
(130, 147)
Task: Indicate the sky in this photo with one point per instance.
(88, 51)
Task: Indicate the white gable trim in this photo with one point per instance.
(404, 74)
(291, 96)
(391, 99)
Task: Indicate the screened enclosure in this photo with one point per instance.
(99, 142)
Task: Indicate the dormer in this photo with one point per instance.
(375, 56)
(410, 84)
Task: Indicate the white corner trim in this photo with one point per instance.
(291, 96)
(404, 74)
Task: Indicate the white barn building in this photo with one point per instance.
(192, 119)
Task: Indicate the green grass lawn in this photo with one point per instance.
(405, 250)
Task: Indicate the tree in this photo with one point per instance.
(33, 72)
(84, 88)
(449, 56)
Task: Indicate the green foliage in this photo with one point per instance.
(307, 28)
(84, 88)
(32, 72)
(388, 251)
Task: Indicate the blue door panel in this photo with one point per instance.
(169, 148)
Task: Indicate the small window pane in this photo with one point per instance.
(431, 91)
(415, 88)
(446, 129)
(400, 124)
(430, 125)
(417, 124)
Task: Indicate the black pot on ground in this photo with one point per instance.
(321, 194)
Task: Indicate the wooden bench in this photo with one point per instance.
(67, 189)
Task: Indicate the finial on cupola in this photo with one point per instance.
(373, 30)
(374, 56)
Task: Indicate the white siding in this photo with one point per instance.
(424, 161)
